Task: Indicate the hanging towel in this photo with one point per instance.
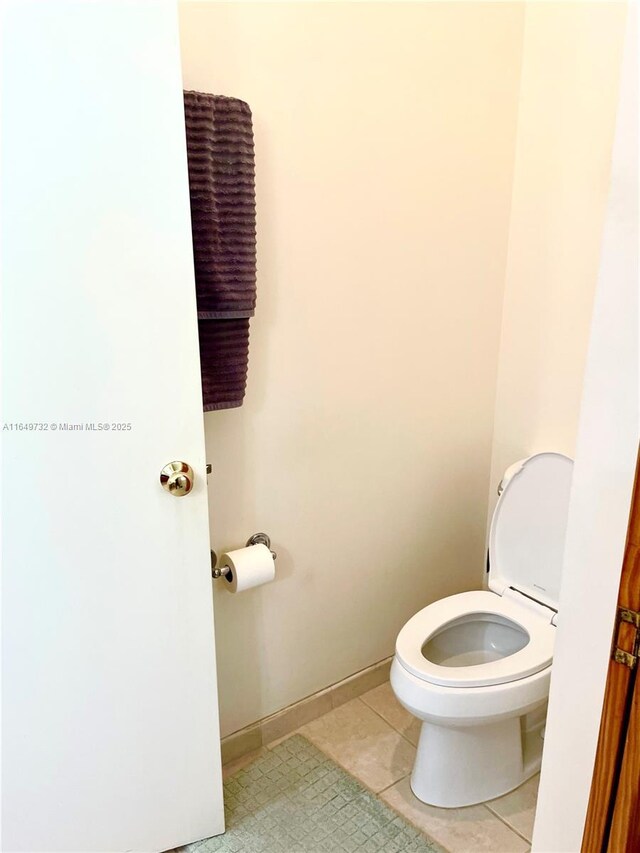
(220, 154)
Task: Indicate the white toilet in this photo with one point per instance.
(475, 667)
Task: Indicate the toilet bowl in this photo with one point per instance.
(475, 667)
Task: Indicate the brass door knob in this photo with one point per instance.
(177, 478)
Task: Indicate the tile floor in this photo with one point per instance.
(375, 739)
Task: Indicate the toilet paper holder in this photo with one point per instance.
(256, 539)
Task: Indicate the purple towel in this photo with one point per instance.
(223, 221)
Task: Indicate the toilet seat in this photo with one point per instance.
(536, 655)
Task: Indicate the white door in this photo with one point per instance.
(110, 720)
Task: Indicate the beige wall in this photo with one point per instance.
(428, 223)
(385, 137)
(568, 99)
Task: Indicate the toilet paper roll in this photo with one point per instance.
(248, 567)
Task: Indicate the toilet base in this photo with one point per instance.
(463, 766)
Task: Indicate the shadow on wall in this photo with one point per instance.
(241, 618)
(233, 483)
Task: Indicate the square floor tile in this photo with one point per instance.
(364, 744)
(468, 830)
(383, 701)
(518, 808)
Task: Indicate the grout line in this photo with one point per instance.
(352, 772)
(401, 779)
(391, 726)
(430, 838)
(506, 823)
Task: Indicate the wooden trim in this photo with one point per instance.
(624, 836)
(608, 759)
(610, 754)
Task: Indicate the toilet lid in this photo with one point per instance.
(526, 541)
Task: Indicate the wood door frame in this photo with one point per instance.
(614, 802)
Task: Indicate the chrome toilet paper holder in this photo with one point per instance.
(256, 539)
